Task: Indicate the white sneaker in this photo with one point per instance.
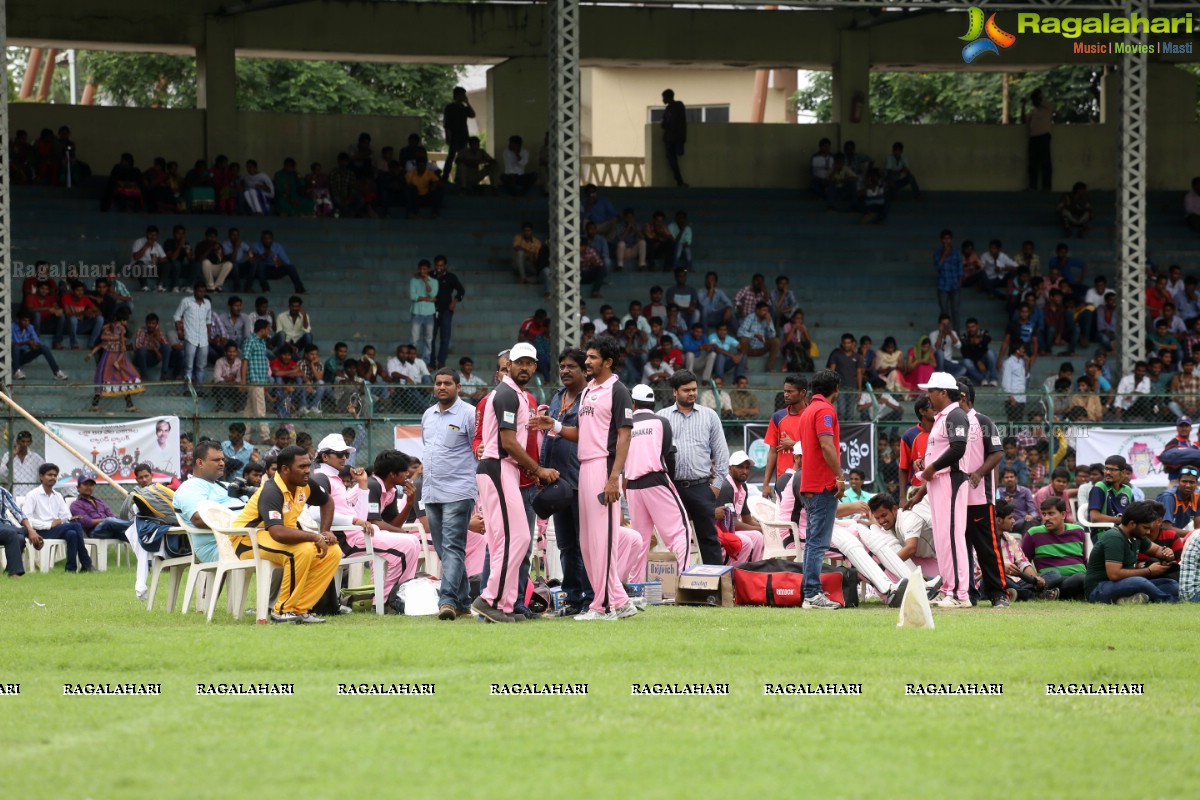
(820, 601)
(161, 289)
(58, 376)
(589, 616)
(934, 583)
(626, 611)
(946, 601)
(19, 375)
(639, 603)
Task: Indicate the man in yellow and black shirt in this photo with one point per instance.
(309, 560)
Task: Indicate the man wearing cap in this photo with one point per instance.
(1180, 502)
(654, 502)
(948, 487)
(1183, 439)
(449, 492)
(984, 452)
(746, 530)
(1110, 497)
(505, 428)
(400, 551)
(97, 519)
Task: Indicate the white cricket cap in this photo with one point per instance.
(940, 380)
(643, 394)
(334, 443)
(738, 457)
(522, 350)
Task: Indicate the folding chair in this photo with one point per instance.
(220, 522)
(355, 562)
(174, 568)
(767, 513)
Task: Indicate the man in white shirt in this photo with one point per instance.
(822, 168)
(148, 255)
(193, 324)
(945, 341)
(516, 159)
(405, 369)
(1127, 403)
(48, 513)
(910, 532)
(260, 189)
(24, 464)
(707, 399)
(998, 267)
(472, 386)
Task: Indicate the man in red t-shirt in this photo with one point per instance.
(783, 431)
(912, 448)
(80, 315)
(821, 482)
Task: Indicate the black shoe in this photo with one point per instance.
(898, 595)
(485, 612)
(87, 568)
(571, 610)
(523, 612)
(1001, 601)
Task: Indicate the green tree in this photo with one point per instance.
(952, 97)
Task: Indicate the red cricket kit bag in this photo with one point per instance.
(778, 582)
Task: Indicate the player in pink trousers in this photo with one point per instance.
(498, 476)
(605, 422)
(732, 494)
(947, 488)
(631, 564)
(654, 502)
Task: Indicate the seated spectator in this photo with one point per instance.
(1180, 502)
(756, 336)
(739, 532)
(1024, 330)
(782, 300)
(630, 241)
(1191, 206)
(920, 361)
(657, 371)
(48, 514)
(285, 373)
(215, 267)
(316, 187)
(1113, 574)
(344, 189)
(525, 249)
(743, 400)
(998, 267)
(665, 341)
(313, 372)
(405, 368)
(1185, 390)
(293, 328)
(20, 159)
(473, 386)
(1132, 400)
(721, 402)
(229, 373)
(600, 210)
(258, 190)
(80, 316)
(28, 347)
(233, 325)
(1060, 479)
(1012, 460)
(1019, 497)
(799, 350)
(1176, 326)
(592, 237)
(872, 199)
(1021, 579)
(1075, 211)
(843, 185)
(699, 353)
(1028, 259)
(591, 270)
(43, 308)
(151, 346)
(978, 361)
(1157, 296)
(124, 189)
(475, 166)
(655, 307)
(412, 152)
(898, 173)
(821, 169)
(748, 298)
(93, 514)
(660, 244)
(1085, 405)
(262, 311)
(633, 345)
(242, 256)
(273, 263)
(972, 265)
(148, 257)
(155, 183)
(1057, 549)
(945, 342)
(515, 179)
(176, 265)
(681, 232)
(686, 298)
(424, 190)
(291, 199)
(1109, 498)
(1161, 342)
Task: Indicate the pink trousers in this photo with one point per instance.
(598, 535)
(506, 528)
(659, 508)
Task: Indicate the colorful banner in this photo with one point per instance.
(116, 448)
(858, 447)
(407, 439)
(1140, 448)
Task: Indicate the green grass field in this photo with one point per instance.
(462, 742)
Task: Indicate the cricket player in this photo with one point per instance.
(498, 476)
(947, 488)
(653, 500)
(984, 452)
(605, 423)
(733, 493)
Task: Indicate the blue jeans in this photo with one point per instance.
(442, 327)
(822, 510)
(27, 354)
(973, 372)
(73, 326)
(312, 395)
(1161, 590)
(955, 368)
(72, 534)
(110, 528)
(422, 335)
(162, 356)
(195, 359)
(575, 580)
(448, 527)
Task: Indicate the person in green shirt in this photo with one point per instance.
(1112, 573)
(854, 492)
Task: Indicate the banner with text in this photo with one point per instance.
(116, 448)
(857, 445)
(1140, 448)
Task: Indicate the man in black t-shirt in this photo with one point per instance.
(454, 124)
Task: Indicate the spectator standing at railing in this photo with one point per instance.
(193, 324)
(258, 375)
(674, 133)
(949, 266)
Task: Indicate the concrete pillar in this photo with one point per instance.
(216, 88)
(517, 96)
(851, 79)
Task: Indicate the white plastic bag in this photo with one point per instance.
(914, 608)
(420, 597)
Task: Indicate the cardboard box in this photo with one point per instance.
(558, 599)
(662, 568)
(705, 585)
(650, 592)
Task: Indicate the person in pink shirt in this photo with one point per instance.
(1057, 487)
(654, 502)
(605, 424)
(505, 428)
(984, 451)
(743, 525)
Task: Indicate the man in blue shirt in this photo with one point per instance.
(949, 265)
(728, 352)
(27, 347)
(273, 263)
(237, 447)
(599, 210)
(449, 489)
(757, 336)
(1180, 503)
(562, 454)
(699, 353)
(208, 466)
(14, 527)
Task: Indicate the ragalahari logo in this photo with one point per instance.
(996, 40)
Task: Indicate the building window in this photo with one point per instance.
(696, 114)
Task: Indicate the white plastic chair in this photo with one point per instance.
(174, 568)
(53, 551)
(356, 562)
(198, 571)
(1081, 519)
(430, 563)
(220, 523)
(767, 513)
